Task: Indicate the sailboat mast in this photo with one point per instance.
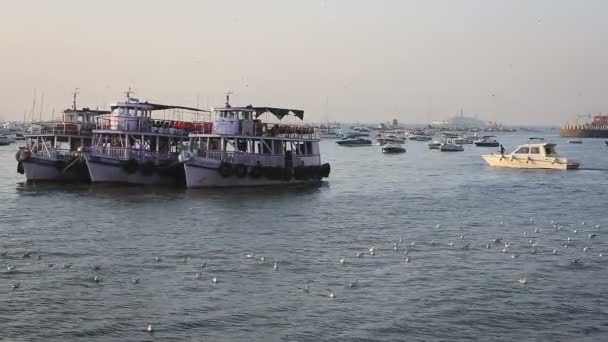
(41, 105)
(33, 106)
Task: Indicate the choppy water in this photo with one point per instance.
(371, 200)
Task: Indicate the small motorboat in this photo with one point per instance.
(450, 147)
(393, 149)
(487, 141)
(434, 145)
(5, 140)
(606, 142)
(531, 156)
(389, 139)
(350, 141)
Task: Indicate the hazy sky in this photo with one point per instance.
(515, 61)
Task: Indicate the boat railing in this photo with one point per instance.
(56, 154)
(251, 159)
(127, 123)
(125, 153)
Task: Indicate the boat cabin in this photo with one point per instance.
(540, 150)
(239, 136)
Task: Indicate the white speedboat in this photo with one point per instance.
(393, 148)
(487, 141)
(383, 139)
(353, 141)
(531, 156)
(450, 146)
(434, 145)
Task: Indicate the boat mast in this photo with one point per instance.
(41, 105)
(128, 93)
(228, 93)
(33, 105)
(74, 95)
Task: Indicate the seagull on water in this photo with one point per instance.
(149, 328)
(249, 256)
(359, 254)
(569, 239)
(450, 243)
(27, 255)
(574, 231)
(135, 281)
(197, 276)
(536, 230)
(15, 285)
(574, 261)
(554, 251)
(524, 233)
(96, 279)
(342, 261)
(157, 258)
(583, 223)
(395, 248)
(262, 259)
(597, 226)
(406, 259)
(585, 249)
(352, 284)
(523, 281)
(214, 280)
(488, 246)
(275, 266)
(332, 294)
(513, 256)
(10, 268)
(412, 244)
(591, 236)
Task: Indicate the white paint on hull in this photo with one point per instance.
(107, 173)
(202, 177)
(41, 172)
(527, 163)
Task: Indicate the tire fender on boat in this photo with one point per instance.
(241, 170)
(225, 170)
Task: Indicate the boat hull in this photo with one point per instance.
(495, 160)
(486, 144)
(117, 171)
(41, 169)
(206, 174)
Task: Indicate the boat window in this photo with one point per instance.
(534, 150)
(549, 150)
(522, 150)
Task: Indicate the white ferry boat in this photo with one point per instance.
(242, 151)
(53, 153)
(130, 147)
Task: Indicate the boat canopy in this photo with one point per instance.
(280, 113)
(154, 106)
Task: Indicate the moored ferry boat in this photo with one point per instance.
(54, 153)
(597, 128)
(243, 151)
(131, 147)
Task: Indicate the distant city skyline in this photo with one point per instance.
(515, 62)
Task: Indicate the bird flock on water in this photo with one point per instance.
(575, 244)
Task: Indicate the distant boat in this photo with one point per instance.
(353, 141)
(575, 142)
(487, 141)
(450, 147)
(5, 140)
(434, 145)
(393, 149)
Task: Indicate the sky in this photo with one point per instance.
(539, 62)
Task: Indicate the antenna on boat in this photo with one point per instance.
(128, 93)
(74, 96)
(228, 93)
